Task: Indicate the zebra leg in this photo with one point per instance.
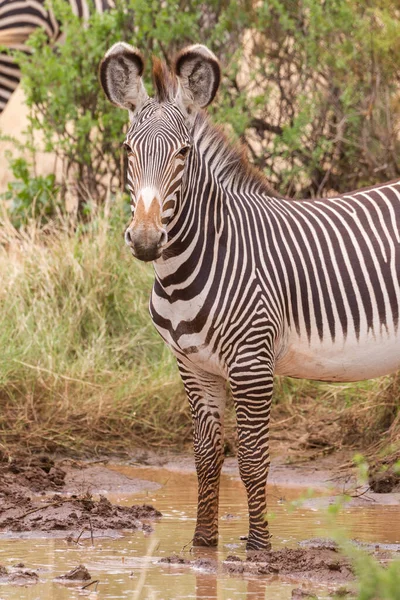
(207, 396)
(252, 392)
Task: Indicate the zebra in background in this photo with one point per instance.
(247, 283)
(18, 19)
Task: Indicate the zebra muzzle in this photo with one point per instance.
(146, 244)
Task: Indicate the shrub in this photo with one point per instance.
(30, 197)
(310, 87)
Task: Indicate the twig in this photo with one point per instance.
(33, 510)
(91, 531)
(186, 545)
(95, 581)
(79, 536)
(138, 591)
(36, 368)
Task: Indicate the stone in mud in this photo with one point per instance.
(80, 573)
(233, 565)
(205, 564)
(18, 576)
(342, 592)
(174, 559)
(201, 564)
(299, 594)
(384, 481)
(259, 556)
(320, 544)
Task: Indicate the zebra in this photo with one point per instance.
(18, 20)
(248, 283)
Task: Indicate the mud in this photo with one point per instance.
(318, 565)
(316, 561)
(18, 575)
(35, 474)
(384, 478)
(79, 573)
(22, 511)
(61, 500)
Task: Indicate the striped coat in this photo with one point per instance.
(247, 283)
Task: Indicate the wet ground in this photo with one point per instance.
(128, 564)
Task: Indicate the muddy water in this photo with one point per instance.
(127, 567)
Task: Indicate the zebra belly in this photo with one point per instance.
(346, 360)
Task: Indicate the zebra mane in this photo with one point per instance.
(232, 162)
(229, 157)
(165, 83)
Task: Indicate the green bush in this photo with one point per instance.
(309, 87)
(62, 89)
(30, 197)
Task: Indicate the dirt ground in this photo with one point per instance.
(320, 562)
(22, 510)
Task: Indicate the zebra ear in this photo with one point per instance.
(199, 74)
(121, 76)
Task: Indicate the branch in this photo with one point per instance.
(261, 126)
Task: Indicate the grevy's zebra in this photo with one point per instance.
(247, 283)
(18, 19)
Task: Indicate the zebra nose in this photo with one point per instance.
(129, 237)
(144, 244)
(163, 239)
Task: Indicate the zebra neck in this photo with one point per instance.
(217, 180)
(226, 161)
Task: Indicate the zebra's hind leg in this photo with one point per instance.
(207, 397)
(252, 392)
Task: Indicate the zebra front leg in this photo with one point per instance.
(252, 392)
(207, 396)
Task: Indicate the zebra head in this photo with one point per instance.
(159, 138)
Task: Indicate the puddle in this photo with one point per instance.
(126, 567)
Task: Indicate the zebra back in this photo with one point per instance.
(18, 20)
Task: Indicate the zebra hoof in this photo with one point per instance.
(202, 539)
(258, 545)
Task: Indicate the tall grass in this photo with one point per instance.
(83, 369)
(81, 364)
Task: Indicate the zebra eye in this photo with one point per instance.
(183, 152)
(128, 149)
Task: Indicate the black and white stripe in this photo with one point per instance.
(18, 20)
(249, 284)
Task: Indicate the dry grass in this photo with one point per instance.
(82, 366)
(315, 419)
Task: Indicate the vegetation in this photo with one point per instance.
(309, 87)
(375, 579)
(31, 197)
(82, 365)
